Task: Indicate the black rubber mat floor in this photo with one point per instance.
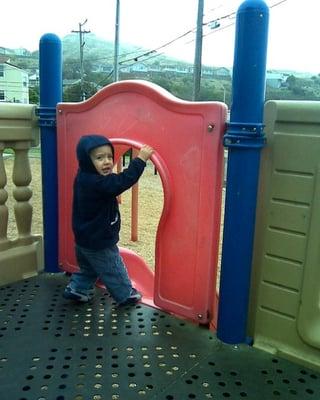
(52, 349)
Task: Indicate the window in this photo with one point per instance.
(1, 95)
(1, 70)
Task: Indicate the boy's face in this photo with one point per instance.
(102, 159)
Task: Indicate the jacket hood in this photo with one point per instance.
(85, 145)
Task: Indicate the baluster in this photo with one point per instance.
(21, 177)
(4, 213)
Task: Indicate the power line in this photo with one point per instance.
(276, 4)
(231, 14)
(106, 58)
(173, 40)
(176, 39)
(105, 78)
(135, 58)
(158, 48)
(231, 24)
(152, 51)
(166, 44)
(145, 59)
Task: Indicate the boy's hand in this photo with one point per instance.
(145, 153)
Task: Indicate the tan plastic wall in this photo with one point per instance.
(285, 295)
(22, 256)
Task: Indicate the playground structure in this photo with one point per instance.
(276, 307)
(133, 113)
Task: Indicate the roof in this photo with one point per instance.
(4, 59)
(274, 75)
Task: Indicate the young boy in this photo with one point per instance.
(96, 220)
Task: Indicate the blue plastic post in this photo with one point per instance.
(50, 59)
(244, 139)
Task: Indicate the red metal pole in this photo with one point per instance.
(134, 206)
(119, 169)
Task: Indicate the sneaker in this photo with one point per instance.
(72, 294)
(134, 298)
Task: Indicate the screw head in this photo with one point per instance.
(210, 127)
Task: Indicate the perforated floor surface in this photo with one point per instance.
(52, 349)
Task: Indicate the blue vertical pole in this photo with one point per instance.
(50, 60)
(244, 139)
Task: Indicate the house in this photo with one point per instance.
(275, 79)
(102, 68)
(207, 71)
(14, 83)
(221, 73)
(34, 79)
(70, 82)
(139, 67)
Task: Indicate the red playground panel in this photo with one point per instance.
(187, 138)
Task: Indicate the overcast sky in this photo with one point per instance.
(294, 28)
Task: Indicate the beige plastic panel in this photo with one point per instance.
(285, 298)
(21, 262)
(22, 257)
(18, 122)
(309, 312)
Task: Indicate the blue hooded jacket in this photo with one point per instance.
(95, 212)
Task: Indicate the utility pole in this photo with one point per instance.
(198, 53)
(82, 43)
(116, 44)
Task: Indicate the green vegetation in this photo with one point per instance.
(34, 152)
(296, 89)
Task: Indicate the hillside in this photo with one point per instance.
(138, 63)
(94, 47)
(97, 50)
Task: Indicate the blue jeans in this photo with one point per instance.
(108, 266)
